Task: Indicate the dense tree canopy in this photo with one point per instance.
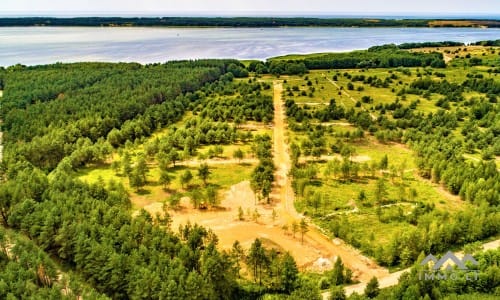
(78, 110)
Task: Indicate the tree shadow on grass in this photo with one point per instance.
(245, 164)
(143, 191)
(316, 183)
(178, 168)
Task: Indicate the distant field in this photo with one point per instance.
(463, 23)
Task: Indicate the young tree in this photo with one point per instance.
(267, 187)
(307, 290)
(303, 228)
(241, 214)
(372, 290)
(204, 173)
(346, 168)
(141, 167)
(218, 151)
(174, 200)
(196, 198)
(316, 201)
(380, 191)
(337, 293)
(412, 195)
(165, 179)
(173, 156)
(362, 196)
(257, 259)
(135, 179)
(331, 168)
(126, 164)
(115, 166)
(238, 154)
(186, 178)
(311, 172)
(255, 216)
(384, 163)
(295, 154)
(274, 215)
(285, 229)
(255, 189)
(295, 228)
(289, 274)
(211, 193)
(237, 254)
(337, 277)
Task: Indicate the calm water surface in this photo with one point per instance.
(42, 45)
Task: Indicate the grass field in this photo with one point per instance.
(371, 224)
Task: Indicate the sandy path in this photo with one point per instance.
(447, 57)
(216, 161)
(363, 268)
(225, 223)
(349, 96)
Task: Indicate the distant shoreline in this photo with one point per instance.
(248, 22)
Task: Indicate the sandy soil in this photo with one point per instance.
(253, 126)
(317, 252)
(225, 223)
(363, 267)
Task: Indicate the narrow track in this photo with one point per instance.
(363, 267)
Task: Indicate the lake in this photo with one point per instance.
(43, 45)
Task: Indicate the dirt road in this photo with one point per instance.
(393, 278)
(363, 268)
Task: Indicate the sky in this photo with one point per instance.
(165, 7)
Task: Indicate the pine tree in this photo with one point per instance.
(204, 173)
(337, 277)
(372, 290)
(295, 228)
(337, 293)
(238, 154)
(165, 178)
(126, 165)
(186, 178)
(384, 163)
(212, 197)
(289, 273)
(257, 259)
(241, 214)
(303, 228)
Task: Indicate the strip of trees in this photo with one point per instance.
(386, 56)
(263, 174)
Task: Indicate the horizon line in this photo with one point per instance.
(251, 13)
